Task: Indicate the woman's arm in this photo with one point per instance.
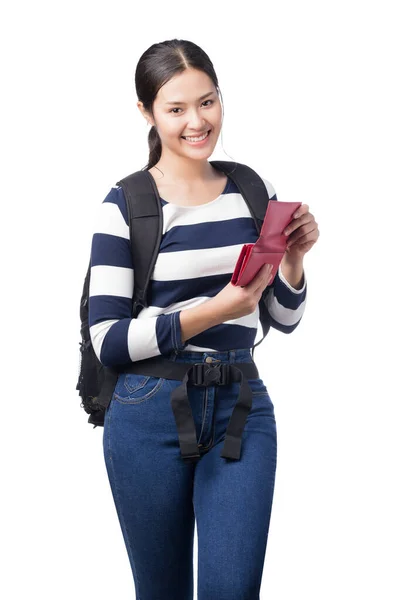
(197, 319)
(285, 303)
(286, 299)
(293, 272)
(118, 338)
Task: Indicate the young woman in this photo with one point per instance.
(195, 316)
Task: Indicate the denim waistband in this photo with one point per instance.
(226, 356)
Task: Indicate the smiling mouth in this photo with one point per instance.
(196, 136)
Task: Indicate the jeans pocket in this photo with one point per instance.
(262, 403)
(258, 387)
(132, 388)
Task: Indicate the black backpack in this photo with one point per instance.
(96, 382)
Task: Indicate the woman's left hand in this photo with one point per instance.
(303, 233)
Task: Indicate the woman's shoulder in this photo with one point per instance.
(111, 214)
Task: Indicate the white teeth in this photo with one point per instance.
(197, 139)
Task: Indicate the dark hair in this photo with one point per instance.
(157, 65)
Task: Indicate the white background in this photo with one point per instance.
(311, 101)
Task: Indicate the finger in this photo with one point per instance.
(302, 210)
(262, 276)
(301, 231)
(296, 223)
(264, 279)
(308, 237)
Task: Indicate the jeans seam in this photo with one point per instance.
(173, 331)
(204, 410)
(144, 398)
(205, 448)
(139, 385)
(119, 502)
(213, 426)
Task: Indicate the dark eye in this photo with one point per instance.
(177, 108)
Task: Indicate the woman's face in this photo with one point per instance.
(188, 105)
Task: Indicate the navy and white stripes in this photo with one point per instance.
(199, 249)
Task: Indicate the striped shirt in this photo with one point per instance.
(199, 249)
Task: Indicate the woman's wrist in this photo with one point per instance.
(293, 271)
(198, 319)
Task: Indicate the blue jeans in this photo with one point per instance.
(158, 496)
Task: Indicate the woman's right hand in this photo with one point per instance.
(234, 301)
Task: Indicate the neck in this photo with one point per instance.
(183, 170)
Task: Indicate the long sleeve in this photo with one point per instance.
(285, 304)
(118, 338)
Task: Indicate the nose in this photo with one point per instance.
(196, 121)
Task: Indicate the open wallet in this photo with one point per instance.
(270, 246)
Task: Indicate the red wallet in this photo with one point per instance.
(270, 246)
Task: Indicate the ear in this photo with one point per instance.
(145, 114)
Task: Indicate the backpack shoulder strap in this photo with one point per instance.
(145, 218)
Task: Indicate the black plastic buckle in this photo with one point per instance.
(210, 374)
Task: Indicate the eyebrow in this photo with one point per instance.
(201, 98)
